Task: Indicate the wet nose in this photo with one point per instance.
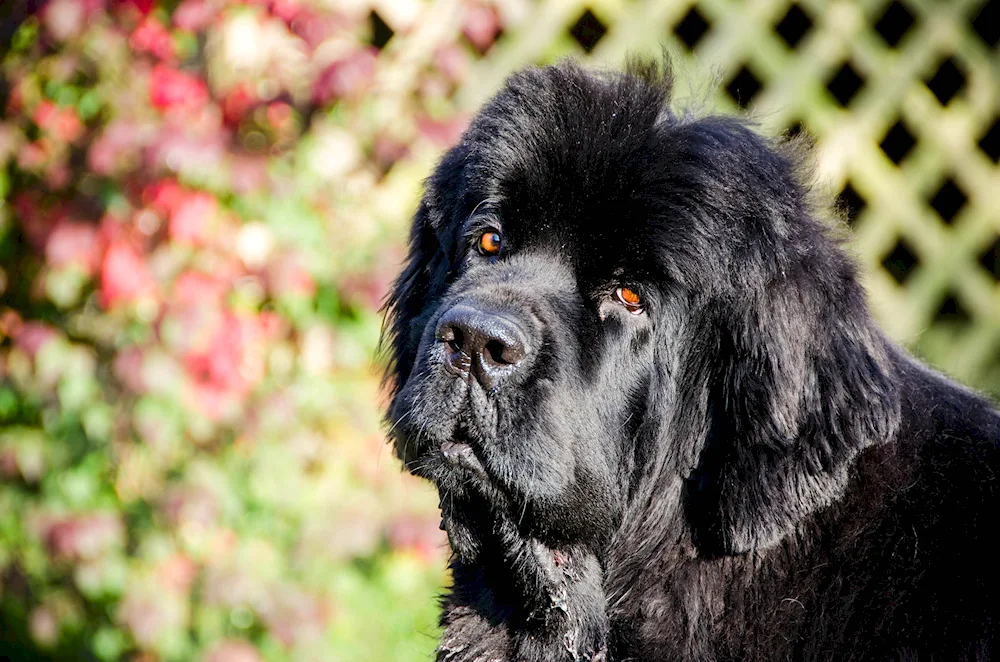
(489, 345)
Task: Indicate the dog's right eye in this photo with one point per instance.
(630, 299)
(490, 243)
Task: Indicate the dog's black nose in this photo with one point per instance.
(487, 344)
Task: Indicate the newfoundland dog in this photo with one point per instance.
(632, 354)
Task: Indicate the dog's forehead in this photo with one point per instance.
(598, 169)
(568, 168)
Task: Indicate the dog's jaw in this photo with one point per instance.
(552, 600)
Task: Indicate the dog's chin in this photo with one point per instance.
(449, 462)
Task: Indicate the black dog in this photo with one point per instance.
(631, 353)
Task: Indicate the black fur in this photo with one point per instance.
(747, 470)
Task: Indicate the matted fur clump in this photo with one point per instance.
(633, 357)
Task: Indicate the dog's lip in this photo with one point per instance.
(460, 454)
(451, 450)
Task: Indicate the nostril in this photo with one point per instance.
(504, 353)
(495, 350)
(456, 340)
(452, 336)
(486, 345)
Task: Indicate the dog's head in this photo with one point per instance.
(602, 296)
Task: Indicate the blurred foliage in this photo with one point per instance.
(202, 203)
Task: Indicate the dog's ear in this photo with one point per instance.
(800, 385)
(426, 271)
(407, 301)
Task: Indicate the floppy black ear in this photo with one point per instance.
(406, 305)
(800, 386)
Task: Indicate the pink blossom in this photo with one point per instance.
(481, 25)
(153, 38)
(292, 615)
(286, 10)
(32, 336)
(225, 370)
(65, 19)
(238, 102)
(272, 325)
(288, 277)
(9, 468)
(171, 88)
(217, 367)
(163, 195)
(10, 323)
(125, 276)
(10, 141)
(195, 288)
(443, 133)
(279, 114)
(347, 77)
(312, 25)
(248, 173)
(232, 650)
(73, 243)
(192, 217)
(387, 151)
(62, 123)
(178, 148)
(35, 219)
(82, 537)
(195, 15)
(34, 155)
(57, 175)
(191, 504)
(452, 61)
(150, 615)
(142, 6)
(128, 367)
(44, 626)
(177, 573)
(369, 288)
(419, 535)
(116, 146)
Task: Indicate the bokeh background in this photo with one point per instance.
(202, 204)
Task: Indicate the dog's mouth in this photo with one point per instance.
(457, 452)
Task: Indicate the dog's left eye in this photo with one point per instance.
(490, 243)
(630, 299)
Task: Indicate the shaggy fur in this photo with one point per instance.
(747, 469)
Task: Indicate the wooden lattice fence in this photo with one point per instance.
(902, 97)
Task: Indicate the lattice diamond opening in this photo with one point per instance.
(692, 28)
(951, 311)
(900, 262)
(795, 127)
(851, 204)
(794, 25)
(743, 87)
(947, 81)
(845, 84)
(990, 259)
(898, 142)
(894, 23)
(856, 76)
(381, 33)
(990, 142)
(588, 30)
(987, 23)
(948, 200)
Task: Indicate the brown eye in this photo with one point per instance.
(630, 299)
(489, 243)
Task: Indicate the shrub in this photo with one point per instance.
(202, 205)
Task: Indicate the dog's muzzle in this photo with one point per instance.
(489, 346)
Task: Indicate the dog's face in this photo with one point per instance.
(584, 267)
